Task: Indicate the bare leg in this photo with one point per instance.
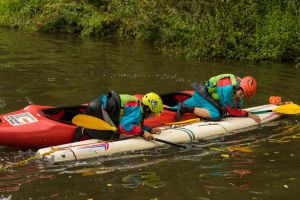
(201, 112)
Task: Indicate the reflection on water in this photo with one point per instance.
(136, 180)
(13, 183)
(288, 133)
(58, 69)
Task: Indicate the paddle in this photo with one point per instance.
(289, 109)
(91, 122)
(184, 122)
(95, 123)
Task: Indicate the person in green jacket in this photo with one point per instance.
(220, 96)
(125, 112)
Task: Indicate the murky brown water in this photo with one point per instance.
(65, 69)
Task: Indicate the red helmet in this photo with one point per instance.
(248, 84)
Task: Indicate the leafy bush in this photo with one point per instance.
(253, 30)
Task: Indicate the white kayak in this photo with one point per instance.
(203, 130)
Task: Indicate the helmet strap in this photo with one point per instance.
(236, 90)
(146, 111)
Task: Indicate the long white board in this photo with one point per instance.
(201, 130)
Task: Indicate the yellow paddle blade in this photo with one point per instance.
(91, 122)
(184, 122)
(287, 109)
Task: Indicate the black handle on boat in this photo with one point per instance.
(170, 143)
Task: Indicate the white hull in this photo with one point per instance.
(185, 134)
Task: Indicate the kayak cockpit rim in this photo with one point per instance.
(63, 114)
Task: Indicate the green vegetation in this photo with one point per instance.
(252, 30)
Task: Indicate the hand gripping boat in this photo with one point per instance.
(38, 126)
(185, 134)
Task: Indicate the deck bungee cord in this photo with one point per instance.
(27, 160)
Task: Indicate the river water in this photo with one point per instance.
(59, 69)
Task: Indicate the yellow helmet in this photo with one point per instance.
(154, 102)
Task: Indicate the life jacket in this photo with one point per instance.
(208, 90)
(212, 83)
(125, 98)
(116, 103)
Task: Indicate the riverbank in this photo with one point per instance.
(245, 30)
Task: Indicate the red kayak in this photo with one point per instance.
(38, 126)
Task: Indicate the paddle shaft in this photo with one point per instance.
(289, 109)
(261, 111)
(170, 143)
(93, 122)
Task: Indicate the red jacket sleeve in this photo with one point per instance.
(236, 112)
(136, 130)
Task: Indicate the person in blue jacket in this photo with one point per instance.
(220, 96)
(125, 112)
